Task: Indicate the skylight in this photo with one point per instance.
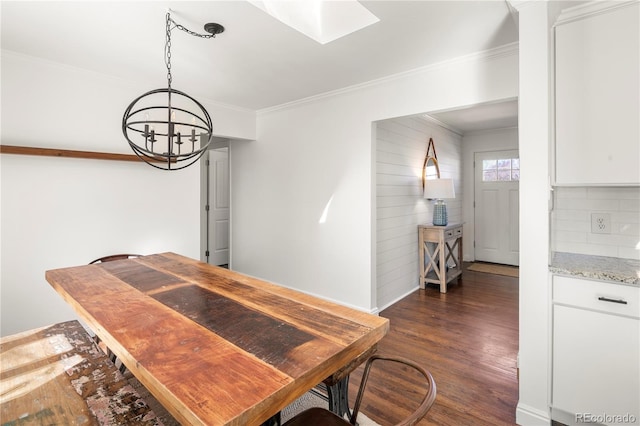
(321, 20)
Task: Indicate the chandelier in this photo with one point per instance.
(167, 128)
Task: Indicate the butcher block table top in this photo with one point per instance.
(215, 347)
(56, 375)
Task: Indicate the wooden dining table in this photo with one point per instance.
(214, 346)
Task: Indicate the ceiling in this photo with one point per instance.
(497, 115)
(257, 62)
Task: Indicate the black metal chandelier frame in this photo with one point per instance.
(139, 129)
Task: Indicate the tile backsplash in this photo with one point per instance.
(574, 210)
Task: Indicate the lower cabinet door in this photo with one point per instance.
(596, 366)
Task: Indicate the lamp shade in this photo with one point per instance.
(439, 189)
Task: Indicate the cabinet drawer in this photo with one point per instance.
(453, 233)
(436, 234)
(601, 296)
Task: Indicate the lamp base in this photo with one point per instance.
(440, 213)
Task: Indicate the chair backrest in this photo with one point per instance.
(113, 257)
(427, 401)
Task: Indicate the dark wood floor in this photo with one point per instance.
(467, 338)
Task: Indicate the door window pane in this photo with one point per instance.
(501, 170)
(504, 163)
(489, 164)
(504, 175)
(489, 176)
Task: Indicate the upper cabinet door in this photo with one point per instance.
(597, 93)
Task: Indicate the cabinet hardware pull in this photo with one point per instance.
(606, 299)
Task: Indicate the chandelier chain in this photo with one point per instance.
(167, 50)
(167, 47)
(193, 33)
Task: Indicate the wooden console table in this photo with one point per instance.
(438, 246)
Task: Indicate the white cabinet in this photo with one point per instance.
(597, 86)
(596, 354)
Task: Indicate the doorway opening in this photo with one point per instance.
(459, 134)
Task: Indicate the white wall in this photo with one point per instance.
(473, 142)
(401, 145)
(59, 212)
(571, 221)
(51, 105)
(534, 130)
(320, 152)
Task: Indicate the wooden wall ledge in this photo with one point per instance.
(48, 152)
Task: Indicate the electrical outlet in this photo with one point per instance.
(600, 223)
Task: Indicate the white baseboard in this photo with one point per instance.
(529, 416)
(563, 417)
(397, 299)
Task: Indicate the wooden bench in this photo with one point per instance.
(57, 375)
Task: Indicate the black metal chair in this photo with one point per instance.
(321, 417)
(96, 339)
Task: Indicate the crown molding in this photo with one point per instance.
(506, 50)
(435, 121)
(591, 8)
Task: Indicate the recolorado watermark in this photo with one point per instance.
(605, 418)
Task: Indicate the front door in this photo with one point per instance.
(497, 176)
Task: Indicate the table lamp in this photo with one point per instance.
(438, 189)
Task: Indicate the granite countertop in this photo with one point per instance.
(613, 269)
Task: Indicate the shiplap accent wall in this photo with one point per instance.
(400, 206)
(571, 221)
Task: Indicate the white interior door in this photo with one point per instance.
(219, 206)
(497, 175)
